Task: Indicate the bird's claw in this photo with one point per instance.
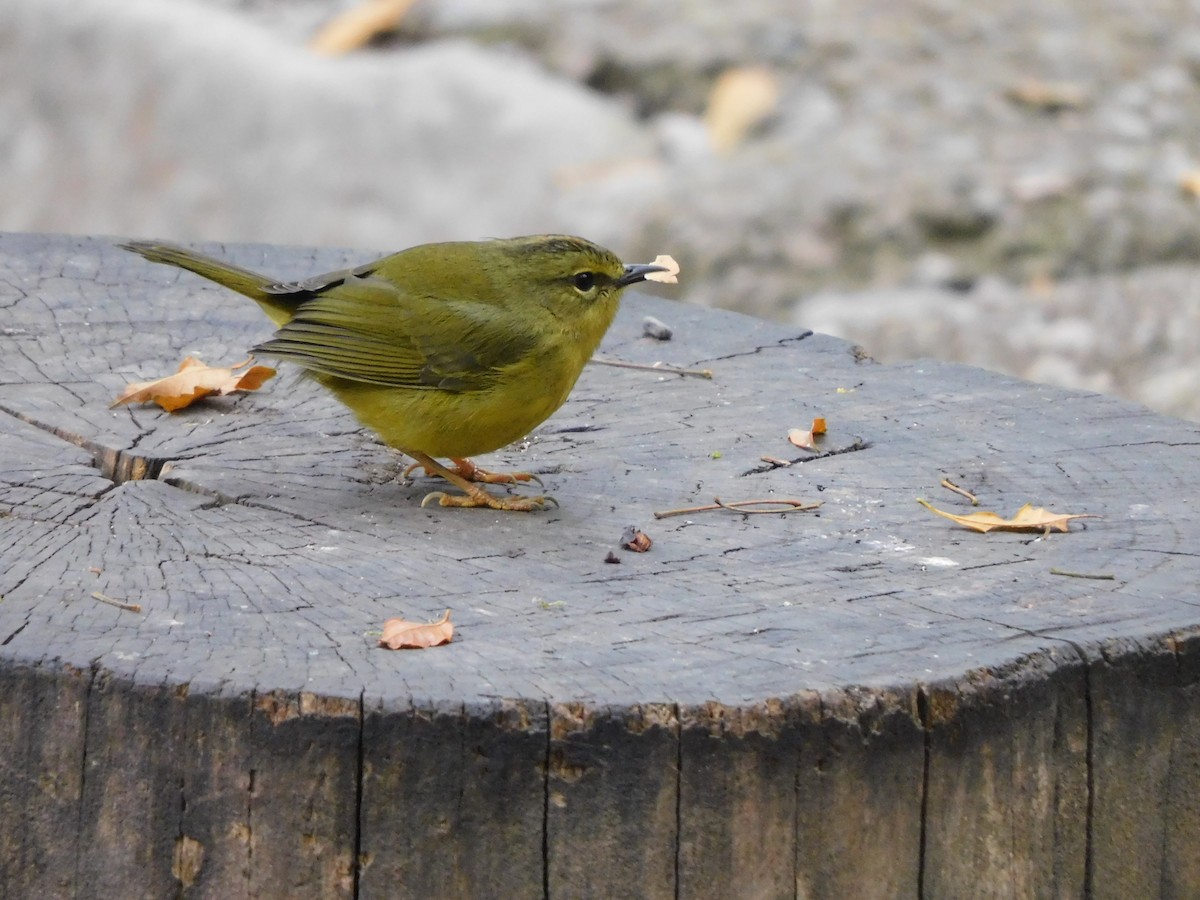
(431, 496)
(484, 499)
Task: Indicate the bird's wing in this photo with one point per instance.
(367, 329)
(320, 283)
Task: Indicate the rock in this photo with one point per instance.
(179, 121)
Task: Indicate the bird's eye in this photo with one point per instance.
(583, 281)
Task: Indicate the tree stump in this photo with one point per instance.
(859, 701)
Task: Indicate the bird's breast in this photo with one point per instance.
(458, 424)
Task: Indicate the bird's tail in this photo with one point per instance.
(280, 307)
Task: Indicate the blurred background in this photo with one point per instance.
(1009, 185)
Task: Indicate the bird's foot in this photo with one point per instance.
(465, 475)
(479, 497)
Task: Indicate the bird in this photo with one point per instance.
(446, 350)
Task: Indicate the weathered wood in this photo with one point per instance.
(483, 834)
(1143, 769)
(859, 792)
(612, 803)
(1006, 803)
(737, 803)
(864, 701)
(41, 778)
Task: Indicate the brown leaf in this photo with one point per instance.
(667, 277)
(1027, 518)
(806, 440)
(193, 381)
(1189, 183)
(740, 99)
(399, 634)
(358, 25)
(1048, 96)
(635, 540)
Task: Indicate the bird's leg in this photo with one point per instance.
(475, 495)
(471, 472)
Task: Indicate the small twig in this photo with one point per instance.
(119, 604)
(657, 367)
(951, 486)
(738, 507)
(776, 461)
(1098, 577)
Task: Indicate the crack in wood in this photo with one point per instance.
(546, 802)
(854, 447)
(678, 731)
(115, 464)
(924, 716)
(15, 632)
(357, 860)
(83, 767)
(1090, 769)
(807, 333)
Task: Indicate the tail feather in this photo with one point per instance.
(279, 307)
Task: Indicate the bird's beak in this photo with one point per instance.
(636, 273)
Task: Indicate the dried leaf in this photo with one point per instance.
(806, 440)
(193, 381)
(667, 277)
(1189, 183)
(399, 634)
(358, 25)
(635, 540)
(1048, 96)
(740, 99)
(1027, 518)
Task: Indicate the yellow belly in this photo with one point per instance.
(445, 424)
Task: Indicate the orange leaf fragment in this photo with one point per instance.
(1027, 518)
(400, 634)
(806, 440)
(193, 381)
(359, 25)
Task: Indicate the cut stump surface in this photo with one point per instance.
(864, 700)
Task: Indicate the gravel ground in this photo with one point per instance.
(1135, 334)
